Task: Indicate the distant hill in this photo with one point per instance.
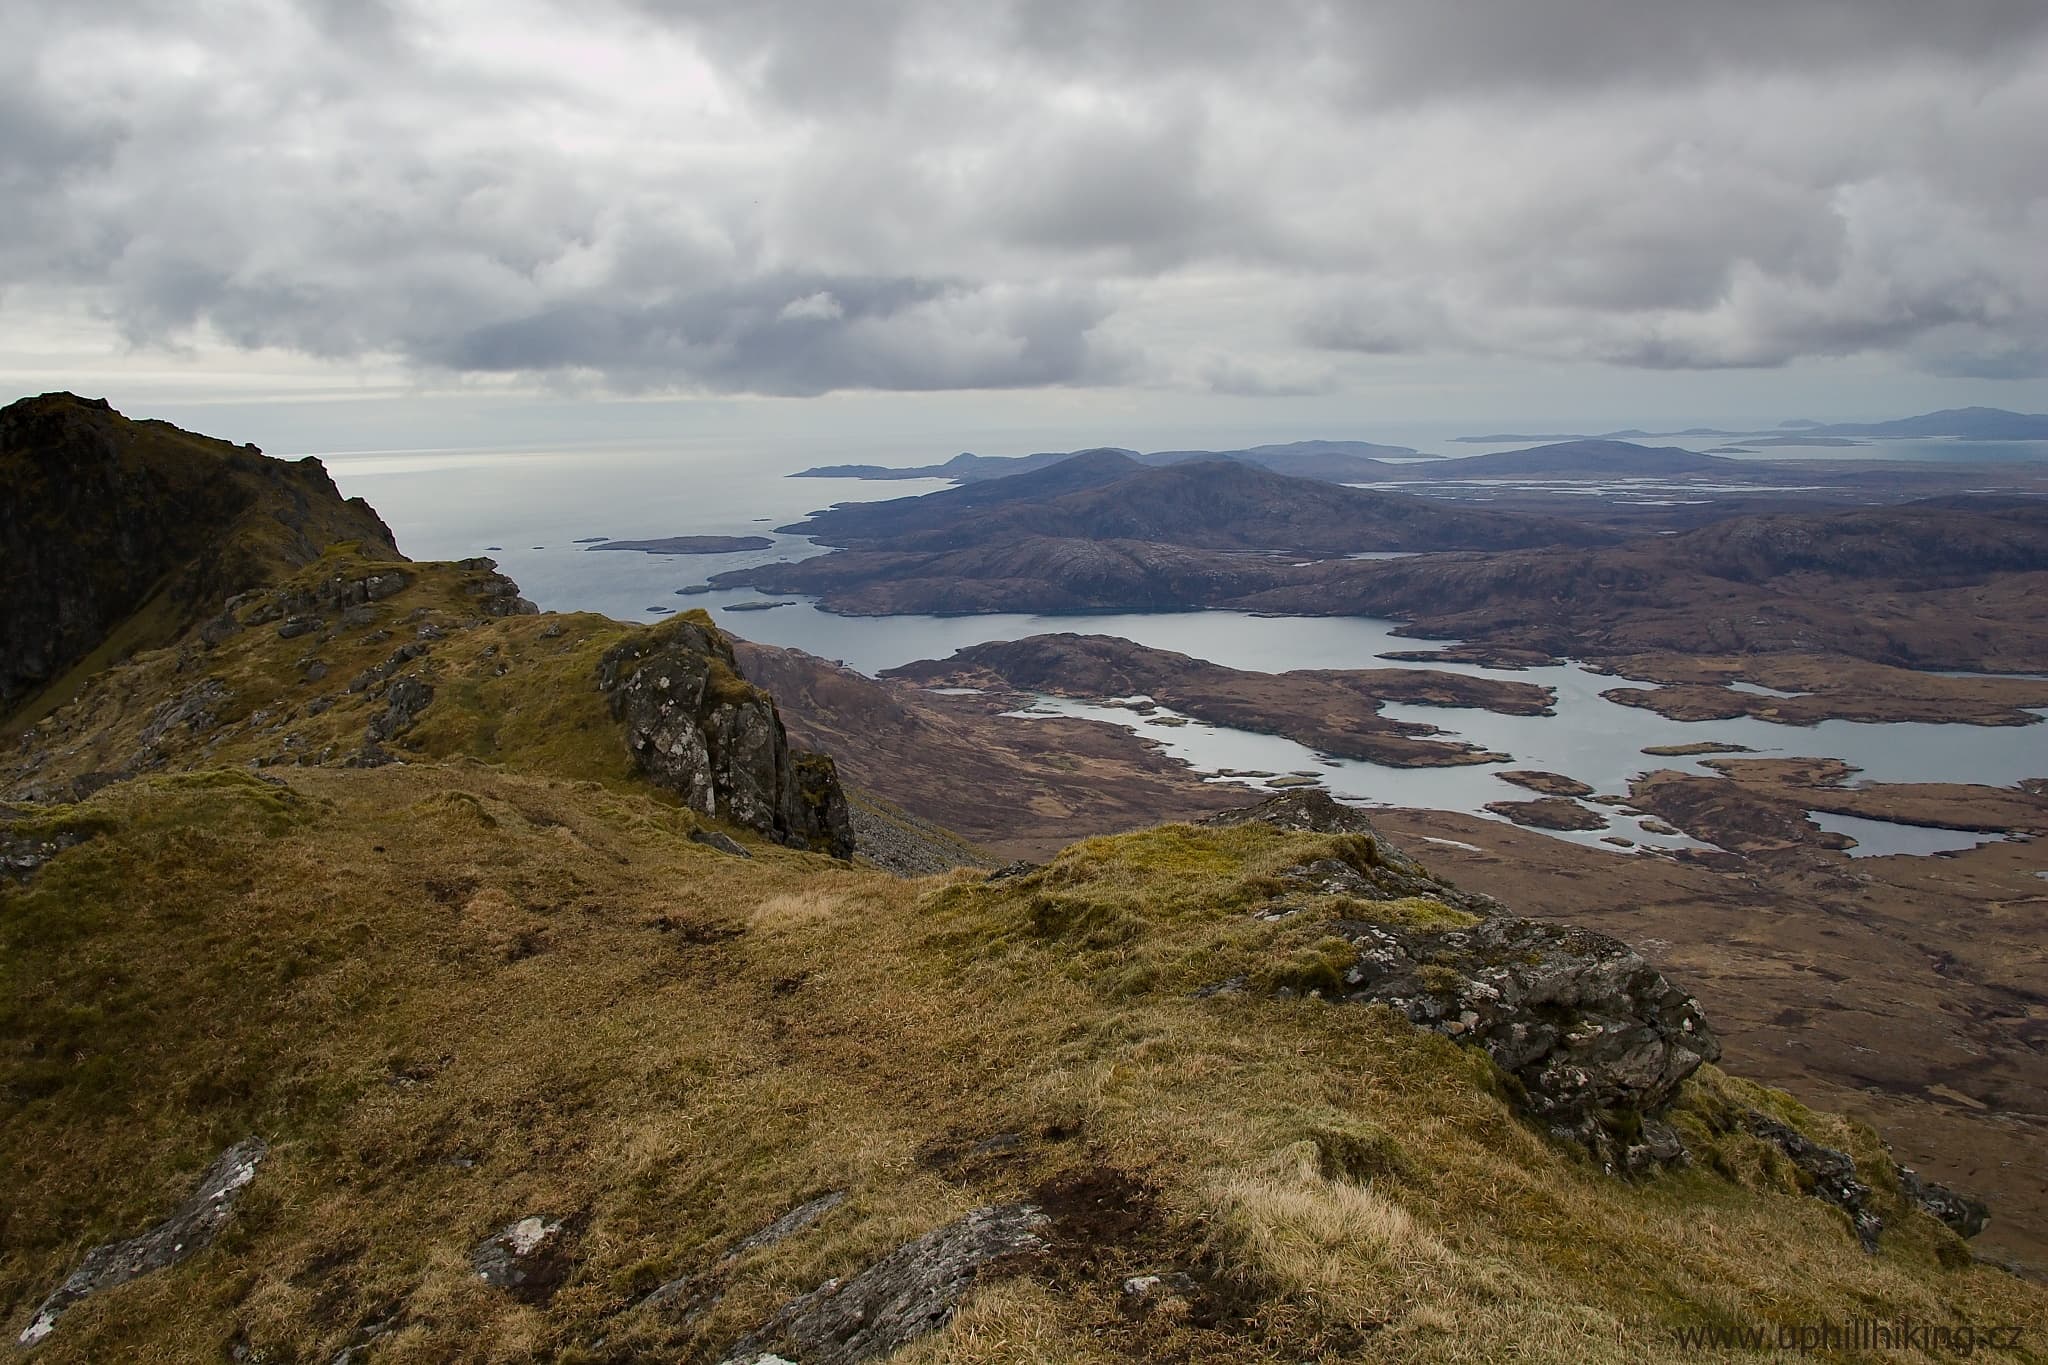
(965, 467)
(1570, 459)
(1968, 424)
(1329, 461)
(1212, 504)
(1965, 424)
(898, 516)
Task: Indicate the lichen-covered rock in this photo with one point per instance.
(1595, 1040)
(724, 843)
(695, 727)
(496, 594)
(1827, 1174)
(911, 1292)
(528, 1258)
(195, 711)
(1965, 1215)
(1584, 1025)
(404, 699)
(191, 1228)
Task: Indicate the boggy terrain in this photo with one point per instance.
(1020, 791)
(1336, 711)
(514, 1005)
(1820, 687)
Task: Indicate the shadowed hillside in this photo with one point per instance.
(116, 535)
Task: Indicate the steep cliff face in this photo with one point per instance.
(118, 535)
(697, 728)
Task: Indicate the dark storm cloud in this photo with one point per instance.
(796, 196)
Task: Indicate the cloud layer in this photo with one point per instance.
(799, 196)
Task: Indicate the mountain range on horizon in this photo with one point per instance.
(1365, 461)
(1962, 424)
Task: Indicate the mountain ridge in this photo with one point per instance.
(117, 535)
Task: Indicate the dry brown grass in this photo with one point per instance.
(453, 995)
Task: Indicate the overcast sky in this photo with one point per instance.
(1104, 216)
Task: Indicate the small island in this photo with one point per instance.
(1549, 812)
(690, 545)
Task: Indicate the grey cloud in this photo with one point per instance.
(812, 54)
(1983, 357)
(1135, 186)
(794, 196)
(1411, 48)
(1238, 380)
(1424, 49)
(807, 335)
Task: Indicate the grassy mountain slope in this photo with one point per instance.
(359, 662)
(452, 996)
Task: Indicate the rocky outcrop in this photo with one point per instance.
(1963, 1214)
(25, 848)
(695, 727)
(1825, 1173)
(1594, 1041)
(404, 699)
(192, 1228)
(330, 597)
(911, 1292)
(694, 1294)
(137, 531)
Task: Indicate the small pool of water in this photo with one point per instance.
(1759, 690)
(1884, 838)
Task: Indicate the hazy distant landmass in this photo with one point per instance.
(689, 545)
(1963, 424)
(1328, 461)
(1106, 495)
(1573, 459)
(1771, 442)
